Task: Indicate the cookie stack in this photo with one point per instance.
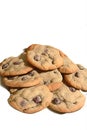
(43, 76)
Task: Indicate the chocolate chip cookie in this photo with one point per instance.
(78, 79)
(31, 100)
(44, 57)
(67, 99)
(30, 79)
(15, 66)
(69, 66)
(43, 76)
(51, 79)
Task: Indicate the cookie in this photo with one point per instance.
(69, 66)
(77, 79)
(67, 99)
(44, 57)
(31, 100)
(51, 79)
(15, 66)
(30, 79)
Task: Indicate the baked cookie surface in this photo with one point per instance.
(15, 66)
(51, 79)
(44, 57)
(31, 100)
(67, 99)
(30, 79)
(69, 66)
(78, 79)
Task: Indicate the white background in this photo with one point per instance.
(60, 23)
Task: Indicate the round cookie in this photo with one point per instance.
(15, 66)
(31, 100)
(68, 66)
(30, 79)
(51, 79)
(67, 99)
(78, 79)
(44, 57)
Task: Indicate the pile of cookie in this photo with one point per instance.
(41, 77)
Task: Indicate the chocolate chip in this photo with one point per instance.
(43, 53)
(77, 74)
(72, 89)
(47, 82)
(37, 99)
(52, 80)
(31, 73)
(52, 61)
(50, 57)
(55, 72)
(22, 103)
(46, 50)
(37, 57)
(23, 78)
(5, 66)
(56, 101)
(16, 63)
(10, 78)
(75, 102)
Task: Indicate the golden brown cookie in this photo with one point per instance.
(78, 79)
(30, 79)
(67, 99)
(69, 66)
(31, 100)
(51, 79)
(15, 66)
(44, 57)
